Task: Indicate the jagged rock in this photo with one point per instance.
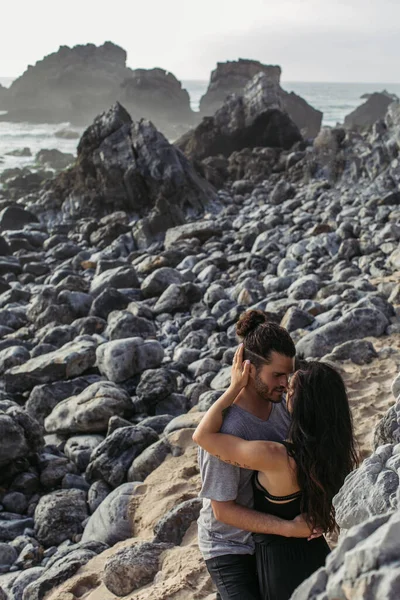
(59, 516)
(24, 578)
(232, 77)
(130, 167)
(367, 114)
(364, 565)
(371, 489)
(98, 492)
(121, 359)
(133, 567)
(114, 278)
(11, 357)
(173, 526)
(111, 459)
(177, 298)
(155, 385)
(387, 430)
(157, 282)
(256, 118)
(356, 324)
(110, 523)
(89, 411)
(20, 435)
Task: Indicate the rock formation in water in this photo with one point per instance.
(254, 119)
(113, 343)
(76, 84)
(364, 116)
(233, 76)
(3, 97)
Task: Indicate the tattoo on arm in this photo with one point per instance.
(236, 464)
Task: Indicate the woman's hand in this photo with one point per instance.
(240, 370)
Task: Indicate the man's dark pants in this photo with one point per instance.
(235, 576)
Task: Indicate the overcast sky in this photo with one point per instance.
(312, 40)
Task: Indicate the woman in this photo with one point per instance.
(301, 475)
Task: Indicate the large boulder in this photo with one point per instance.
(131, 167)
(231, 77)
(110, 523)
(89, 411)
(257, 118)
(356, 324)
(70, 360)
(367, 114)
(371, 489)
(121, 359)
(365, 564)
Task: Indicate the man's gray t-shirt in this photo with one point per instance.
(224, 482)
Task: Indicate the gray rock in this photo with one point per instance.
(151, 458)
(304, 287)
(79, 448)
(97, 493)
(111, 459)
(90, 411)
(157, 282)
(173, 526)
(22, 581)
(365, 564)
(396, 386)
(155, 385)
(20, 435)
(371, 489)
(387, 430)
(8, 554)
(201, 230)
(69, 361)
(360, 352)
(59, 572)
(43, 398)
(11, 527)
(11, 357)
(295, 318)
(356, 324)
(110, 522)
(15, 502)
(177, 298)
(121, 359)
(188, 421)
(123, 324)
(120, 277)
(133, 567)
(59, 516)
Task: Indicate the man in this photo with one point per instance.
(259, 413)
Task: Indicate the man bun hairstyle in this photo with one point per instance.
(261, 337)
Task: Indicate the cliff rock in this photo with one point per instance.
(233, 76)
(256, 118)
(367, 114)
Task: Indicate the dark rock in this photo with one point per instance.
(360, 352)
(133, 567)
(173, 526)
(89, 411)
(15, 217)
(20, 435)
(256, 118)
(54, 159)
(79, 448)
(111, 459)
(151, 458)
(111, 522)
(364, 116)
(387, 430)
(97, 493)
(59, 516)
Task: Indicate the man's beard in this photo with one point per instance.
(265, 393)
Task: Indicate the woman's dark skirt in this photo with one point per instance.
(284, 563)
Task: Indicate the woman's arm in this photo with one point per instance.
(257, 455)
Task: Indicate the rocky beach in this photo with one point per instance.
(122, 273)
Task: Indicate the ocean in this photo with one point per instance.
(335, 100)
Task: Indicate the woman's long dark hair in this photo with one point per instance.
(323, 439)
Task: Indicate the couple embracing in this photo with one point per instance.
(274, 450)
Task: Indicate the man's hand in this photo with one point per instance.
(301, 529)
